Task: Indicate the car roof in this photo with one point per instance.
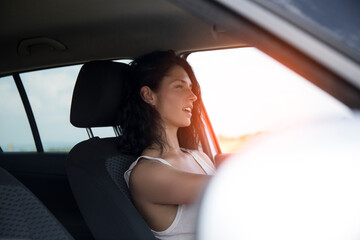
(41, 34)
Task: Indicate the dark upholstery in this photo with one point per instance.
(23, 216)
(96, 166)
(116, 167)
(97, 96)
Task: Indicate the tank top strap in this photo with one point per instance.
(208, 168)
(155, 159)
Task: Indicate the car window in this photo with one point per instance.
(247, 94)
(15, 132)
(50, 92)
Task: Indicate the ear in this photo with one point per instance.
(148, 95)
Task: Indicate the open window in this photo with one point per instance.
(248, 94)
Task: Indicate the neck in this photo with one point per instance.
(171, 146)
(171, 140)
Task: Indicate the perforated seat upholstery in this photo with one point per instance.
(96, 166)
(23, 216)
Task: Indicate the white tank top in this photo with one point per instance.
(184, 224)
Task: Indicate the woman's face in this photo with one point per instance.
(174, 98)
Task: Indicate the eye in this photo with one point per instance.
(179, 86)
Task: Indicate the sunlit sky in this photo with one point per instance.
(244, 91)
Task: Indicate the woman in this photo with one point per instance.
(168, 177)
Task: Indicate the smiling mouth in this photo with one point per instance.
(187, 109)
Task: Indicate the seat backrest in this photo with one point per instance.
(96, 166)
(23, 216)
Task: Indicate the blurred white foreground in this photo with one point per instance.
(299, 184)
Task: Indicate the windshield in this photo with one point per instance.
(333, 21)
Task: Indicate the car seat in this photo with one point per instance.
(23, 216)
(96, 166)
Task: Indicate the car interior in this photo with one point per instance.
(81, 193)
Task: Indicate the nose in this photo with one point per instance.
(192, 96)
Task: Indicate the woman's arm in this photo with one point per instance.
(162, 184)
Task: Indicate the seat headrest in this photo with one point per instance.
(99, 95)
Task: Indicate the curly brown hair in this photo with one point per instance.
(141, 124)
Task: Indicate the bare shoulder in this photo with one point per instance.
(151, 172)
(145, 175)
(146, 168)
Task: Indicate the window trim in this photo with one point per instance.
(210, 133)
(29, 112)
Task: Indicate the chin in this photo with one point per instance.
(185, 124)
